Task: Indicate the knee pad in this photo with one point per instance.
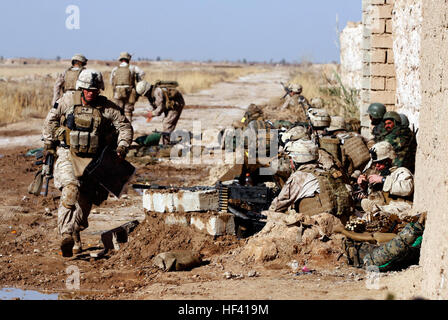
(69, 196)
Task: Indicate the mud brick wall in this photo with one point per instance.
(351, 55)
(406, 28)
(431, 188)
(379, 77)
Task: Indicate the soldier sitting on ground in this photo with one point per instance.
(402, 139)
(376, 112)
(391, 189)
(67, 81)
(347, 147)
(312, 189)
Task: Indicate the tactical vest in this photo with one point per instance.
(123, 77)
(331, 145)
(71, 76)
(82, 128)
(169, 90)
(333, 198)
(356, 150)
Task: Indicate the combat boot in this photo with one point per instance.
(67, 244)
(77, 248)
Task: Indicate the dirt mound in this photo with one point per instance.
(153, 236)
(286, 237)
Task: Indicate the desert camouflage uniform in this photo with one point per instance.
(172, 114)
(396, 194)
(75, 205)
(58, 89)
(292, 103)
(127, 104)
(300, 185)
(403, 141)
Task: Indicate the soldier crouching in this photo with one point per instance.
(78, 128)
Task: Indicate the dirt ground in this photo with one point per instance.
(30, 257)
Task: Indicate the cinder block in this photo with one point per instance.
(378, 55)
(390, 56)
(379, 26)
(177, 219)
(378, 1)
(391, 84)
(384, 97)
(215, 224)
(385, 11)
(389, 26)
(381, 41)
(382, 70)
(182, 201)
(378, 83)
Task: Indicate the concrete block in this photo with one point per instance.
(385, 11)
(177, 219)
(379, 27)
(215, 224)
(381, 41)
(382, 70)
(378, 1)
(378, 83)
(378, 55)
(389, 26)
(384, 97)
(182, 201)
(391, 84)
(390, 56)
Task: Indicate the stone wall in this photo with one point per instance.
(406, 28)
(351, 55)
(379, 82)
(431, 187)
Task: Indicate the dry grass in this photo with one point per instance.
(26, 90)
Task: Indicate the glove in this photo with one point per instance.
(122, 152)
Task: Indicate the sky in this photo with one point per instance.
(181, 30)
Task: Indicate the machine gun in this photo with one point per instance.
(244, 202)
(43, 176)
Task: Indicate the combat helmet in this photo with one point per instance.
(295, 134)
(382, 150)
(317, 102)
(297, 88)
(302, 151)
(90, 79)
(376, 110)
(319, 117)
(142, 87)
(404, 120)
(392, 115)
(79, 57)
(124, 55)
(337, 123)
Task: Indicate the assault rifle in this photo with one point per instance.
(43, 176)
(287, 90)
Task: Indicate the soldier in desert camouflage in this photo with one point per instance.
(163, 99)
(77, 129)
(67, 80)
(124, 79)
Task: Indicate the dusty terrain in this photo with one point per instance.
(29, 245)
